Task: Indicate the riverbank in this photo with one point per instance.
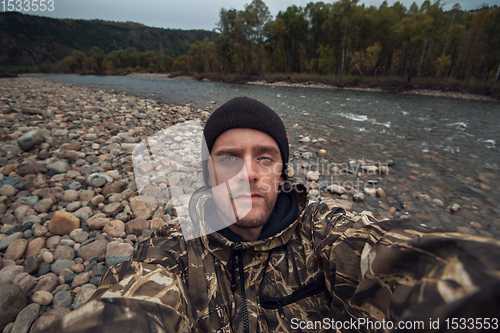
(388, 86)
(69, 206)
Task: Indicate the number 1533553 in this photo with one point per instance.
(27, 5)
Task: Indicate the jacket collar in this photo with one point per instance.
(219, 245)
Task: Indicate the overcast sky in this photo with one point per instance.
(190, 14)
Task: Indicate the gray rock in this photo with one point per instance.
(307, 155)
(96, 180)
(312, 176)
(30, 139)
(64, 252)
(92, 159)
(31, 265)
(90, 137)
(14, 181)
(30, 201)
(337, 189)
(59, 166)
(70, 196)
(25, 318)
(38, 230)
(112, 208)
(86, 291)
(58, 265)
(52, 242)
(44, 205)
(67, 242)
(94, 249)
(79, 235)
(44, 268)
(62, 298)
(9, 239)
(75, 186)
(73, 206)
(176, 191)
(113, 260)
(83, 213)
(359, 196)
(90, 170)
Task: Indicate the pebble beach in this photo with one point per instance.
(69, 201)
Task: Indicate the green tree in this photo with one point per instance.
(97, 59)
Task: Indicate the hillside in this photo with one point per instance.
(27, 40)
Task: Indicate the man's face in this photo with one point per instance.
(246, 163)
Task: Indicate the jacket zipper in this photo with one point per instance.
(238, 258)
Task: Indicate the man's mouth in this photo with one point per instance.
(248, 196)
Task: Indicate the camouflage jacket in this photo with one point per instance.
(326, 271)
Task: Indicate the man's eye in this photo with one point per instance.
(265, 159)
(227, 159)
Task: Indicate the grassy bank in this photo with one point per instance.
(387, 84)
(393, 84)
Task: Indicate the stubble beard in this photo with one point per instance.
(257, 216)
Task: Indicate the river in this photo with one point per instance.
(438, 148)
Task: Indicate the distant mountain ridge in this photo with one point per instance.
(27, 40)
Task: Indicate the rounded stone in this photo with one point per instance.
(9, 239)
(70, 196)
(25, 318)
(86, 291)
(16, 249)
(136, 226)
(12, 301)
(44, 205)
(96, 180)
(476, 225)
(62, 223)
(48, 318)
(8, 190)
(73, 206)
(61, 264)
(94, 249)
(312, 176)
(79, 235)
(59, 166)
(47, 282)
(30, 139)
(64, 252)
(95, 201)
(62, 299)
(86, 195)
(97, 222)
(114, 228)
(380, 192)
(35, 246)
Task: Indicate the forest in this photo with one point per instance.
(337, 39)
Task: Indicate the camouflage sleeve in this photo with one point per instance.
(146, 294)
(402, 272)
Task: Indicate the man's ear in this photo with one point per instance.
(282, 181)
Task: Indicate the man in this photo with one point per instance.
(281, 265)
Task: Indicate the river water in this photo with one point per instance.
(438, 148)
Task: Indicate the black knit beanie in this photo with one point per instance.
(244, 112)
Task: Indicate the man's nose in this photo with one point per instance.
(250, 169)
